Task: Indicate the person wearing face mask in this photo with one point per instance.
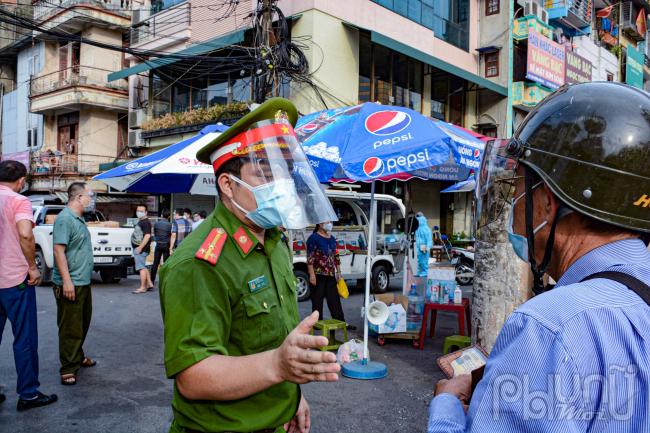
(141, 242)
(575, 358)
(18, 276)
(181, 228)
(233, 342)
(324, 266)
(73, 267)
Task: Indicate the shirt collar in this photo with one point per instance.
(74, 215)
(625, 252)
(240, 234)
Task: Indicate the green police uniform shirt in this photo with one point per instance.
(243, 304)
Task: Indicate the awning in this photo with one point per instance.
(198, 49)
(428, 59)
(464, 186)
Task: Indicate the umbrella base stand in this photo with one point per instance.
(364, 370)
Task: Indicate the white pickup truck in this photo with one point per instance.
(351, 233)
(112, 252)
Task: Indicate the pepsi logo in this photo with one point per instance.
(387, 122)
(308, 128)
(373, 167)
(477, 153)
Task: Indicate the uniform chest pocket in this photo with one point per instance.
(260, 330)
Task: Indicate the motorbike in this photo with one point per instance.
(463, 260)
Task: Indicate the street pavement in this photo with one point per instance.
(127, 391)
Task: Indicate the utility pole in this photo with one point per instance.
(264, 72)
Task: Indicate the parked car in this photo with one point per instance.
(112, 252)
(351, 231)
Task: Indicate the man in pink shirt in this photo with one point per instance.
(18, 276)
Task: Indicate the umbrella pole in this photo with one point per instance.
(371, 243)
(365, 369)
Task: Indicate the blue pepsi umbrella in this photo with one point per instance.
(173, 169)
(371, 142)
(375, 142)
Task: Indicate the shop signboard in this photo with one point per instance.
(530, 22)
(634, 68)
(578, 69)
(546, 61)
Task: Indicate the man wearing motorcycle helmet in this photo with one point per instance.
(575, 181)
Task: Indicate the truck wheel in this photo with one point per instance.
(302, 289)
(109, 277)
(380, 279)
(39, 258)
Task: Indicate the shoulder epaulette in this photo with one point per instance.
(212, 245)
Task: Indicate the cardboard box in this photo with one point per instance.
(397, 306)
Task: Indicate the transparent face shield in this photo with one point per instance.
(495, 187)
(280, 177)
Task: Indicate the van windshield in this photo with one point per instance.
(388, 213)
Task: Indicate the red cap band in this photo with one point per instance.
(242, 143)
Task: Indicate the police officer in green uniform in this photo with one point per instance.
(233, 344)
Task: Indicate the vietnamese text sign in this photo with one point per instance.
(578, 69)
(634, 68)
(546, 61)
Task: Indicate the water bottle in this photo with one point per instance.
(413, 299)
(435, 293)
(445, 295)
(458, 295)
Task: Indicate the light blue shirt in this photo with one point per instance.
(574, 359)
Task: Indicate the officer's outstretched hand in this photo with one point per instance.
(295, 361)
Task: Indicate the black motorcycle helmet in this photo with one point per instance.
(590, 143)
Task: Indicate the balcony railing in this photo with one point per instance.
(162, 24)
(56, 163)
(46, 8)
(72, 77)
(571, 12)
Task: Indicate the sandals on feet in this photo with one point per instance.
(88, 362)
(69, 379)
(139, 292)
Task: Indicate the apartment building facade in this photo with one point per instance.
(63, 118)
(580, 40)
(419, 54)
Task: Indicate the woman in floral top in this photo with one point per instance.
(324, 271)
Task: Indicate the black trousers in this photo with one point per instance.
(326, 288)
(161, 251)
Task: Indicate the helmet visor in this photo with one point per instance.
(276, 158)
(495, 185)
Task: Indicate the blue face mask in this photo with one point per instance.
(278, 204)
(520, 243)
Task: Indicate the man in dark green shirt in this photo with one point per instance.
(73, 267)
(232, 340)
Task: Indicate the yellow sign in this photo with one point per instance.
(528, 94)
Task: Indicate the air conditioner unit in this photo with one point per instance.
(629, 14)
(135, 140)
(531, 7)
(139, 15)
(543, 15)
(136, 118)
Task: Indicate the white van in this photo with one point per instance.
(351, 233)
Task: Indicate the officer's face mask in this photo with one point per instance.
(328, 227)
(278, 204)
(520, 243)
